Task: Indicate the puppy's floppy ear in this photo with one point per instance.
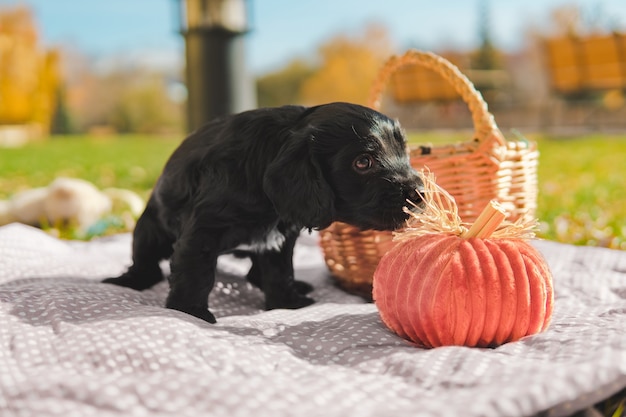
(296, 186)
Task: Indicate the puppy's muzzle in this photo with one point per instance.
(413, 192)
(415, 196)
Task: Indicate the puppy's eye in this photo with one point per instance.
(363, 163)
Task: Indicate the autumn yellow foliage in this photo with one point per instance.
(348, 68)
(29, 76)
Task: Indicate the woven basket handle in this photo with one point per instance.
(484, 122)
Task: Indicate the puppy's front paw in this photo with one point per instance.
(302, 287)
(205, 315)
(128, 282)
(292, 302)
(254, 278)
(200, 312)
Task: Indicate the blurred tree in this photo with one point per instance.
(487, 63)
(18, 65)
(348, 67)
(29, 76)
(567, 20)
(143, 107)
(48, 81)
(283, 86)
(61, 123)
(125, 99)
(91, 96)
(574, 20)
(486, 57)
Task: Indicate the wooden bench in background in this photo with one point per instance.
(578, 65)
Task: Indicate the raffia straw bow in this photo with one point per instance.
(441, 216)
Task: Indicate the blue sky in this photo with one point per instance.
(284, 29)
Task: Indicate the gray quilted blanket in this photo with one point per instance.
(70, 346)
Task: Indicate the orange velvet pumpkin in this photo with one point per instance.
(482, 286)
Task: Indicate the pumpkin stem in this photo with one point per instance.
(487, 222)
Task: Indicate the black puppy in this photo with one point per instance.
(252, 181)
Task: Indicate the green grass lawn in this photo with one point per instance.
(582, 180)
(582, 190)
(132, 162)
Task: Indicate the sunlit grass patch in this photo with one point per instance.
(132, 162)
(582, 184)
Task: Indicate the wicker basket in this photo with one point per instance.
(486, 167)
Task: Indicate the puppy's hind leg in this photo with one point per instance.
(151, 244)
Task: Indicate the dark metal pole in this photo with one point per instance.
(218, 82)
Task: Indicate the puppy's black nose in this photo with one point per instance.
(415, 195)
